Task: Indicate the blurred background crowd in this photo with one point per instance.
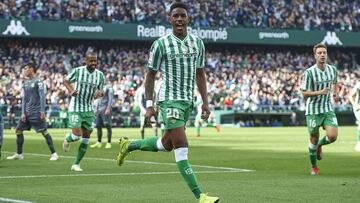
(295, 14)
(242, 79)
(247, 78)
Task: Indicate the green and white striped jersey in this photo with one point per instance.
(86, 84)
(315, 79)
(181, 59)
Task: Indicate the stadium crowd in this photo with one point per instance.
(249, 79)
(292, 14)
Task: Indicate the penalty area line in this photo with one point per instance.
(111, 174)
(147, 162)
(2, 199)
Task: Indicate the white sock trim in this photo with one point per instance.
(181, 154)
(85, 140)
(358, 128)
(312, 146)
(75, 137)
(159, 145)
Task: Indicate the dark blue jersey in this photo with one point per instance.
(106, 100)
(33, 100)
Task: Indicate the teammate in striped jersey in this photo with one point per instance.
(183, 55)
(89, 83)
(355, 101)
(318, 80)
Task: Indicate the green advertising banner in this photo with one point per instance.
(137, 32)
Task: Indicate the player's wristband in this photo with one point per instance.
(149, 103)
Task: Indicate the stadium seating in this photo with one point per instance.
(315, 15)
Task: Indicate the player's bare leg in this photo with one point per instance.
(330, 137)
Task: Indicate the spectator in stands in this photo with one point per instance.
(265, 79)
(313, 15)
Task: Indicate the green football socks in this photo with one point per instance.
(148, 144)
(198, 131)
(82, 150)
(189, 177)
(312, 154)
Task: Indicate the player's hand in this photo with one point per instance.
(107, 111)
(98, 94)
(336, 98)
(205, 112)
(74, 93)
(324, 91)
(42, 116)
(150, 115)
(23, 117)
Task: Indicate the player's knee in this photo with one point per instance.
(86, 134)
(163, 146)
(168, 148)
(333, 138)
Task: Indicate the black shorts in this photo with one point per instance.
(32, 120)
(103, 120)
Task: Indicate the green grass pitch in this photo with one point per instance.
(237, 164)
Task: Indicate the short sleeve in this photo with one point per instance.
(72, 76)
(155, 56)
(201, 59)
(306, 81)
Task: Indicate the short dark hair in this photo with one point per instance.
(31, 65)
(178, 4)
(91, 53)
(319, 46)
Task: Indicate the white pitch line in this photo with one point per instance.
(146, 162)
(13, 200)
(109, 174)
